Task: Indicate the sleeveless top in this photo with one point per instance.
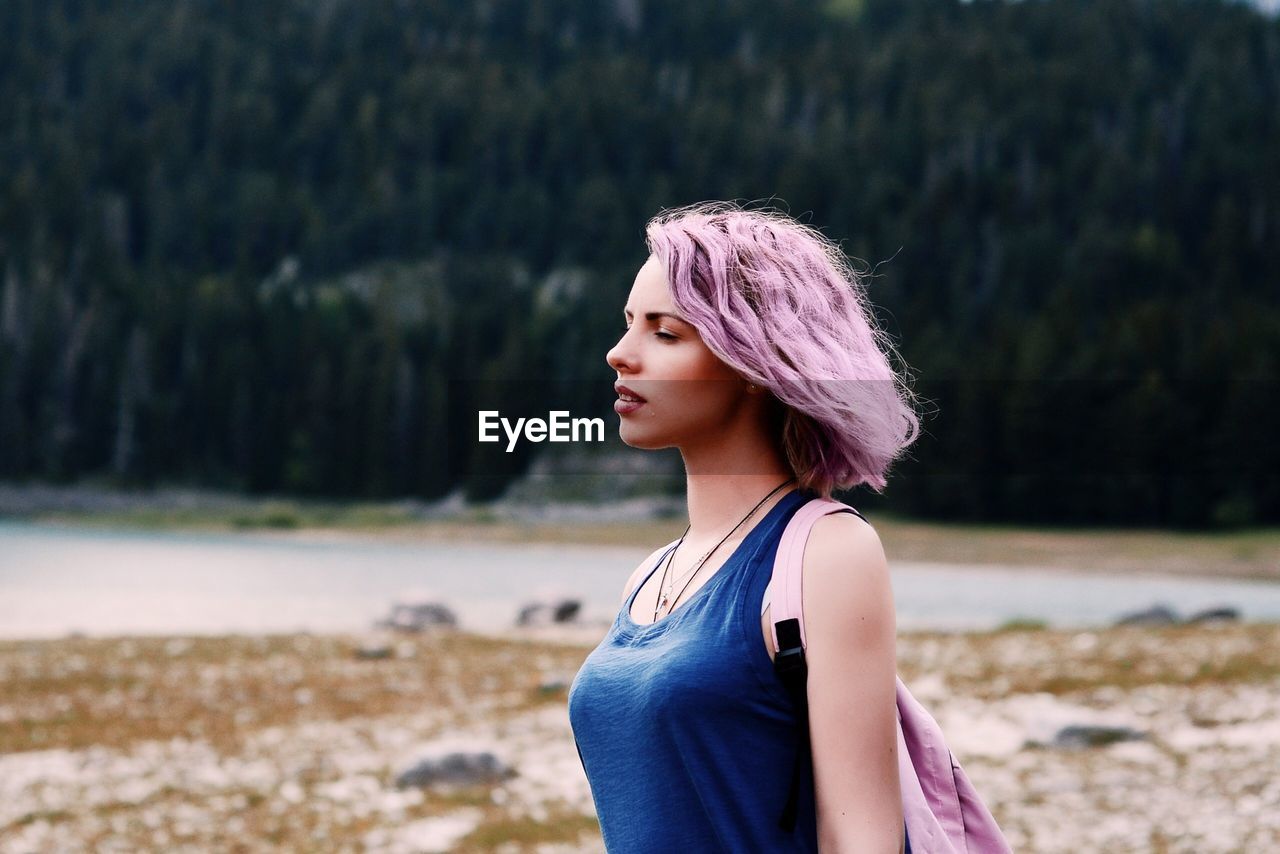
(687, 737)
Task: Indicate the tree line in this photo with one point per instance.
(290, 246)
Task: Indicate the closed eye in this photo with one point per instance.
(661, 333)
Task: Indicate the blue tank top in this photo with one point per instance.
(686, 735)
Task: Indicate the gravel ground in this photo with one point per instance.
(294, 742)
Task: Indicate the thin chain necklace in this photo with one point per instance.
(665, 600)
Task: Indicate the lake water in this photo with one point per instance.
(55, 580)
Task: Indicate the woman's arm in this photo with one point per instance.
(850, 629)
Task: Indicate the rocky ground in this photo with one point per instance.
(296, 742)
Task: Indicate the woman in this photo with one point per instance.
(750, 347)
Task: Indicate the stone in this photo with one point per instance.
(417, 613)
(559, 611)
(1079, 736)
(1156, 615)
(1219, 614)
(455, 769)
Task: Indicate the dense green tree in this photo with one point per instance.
(294, 245)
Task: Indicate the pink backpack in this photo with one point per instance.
(943, 813)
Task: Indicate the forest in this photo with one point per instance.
(292, 247)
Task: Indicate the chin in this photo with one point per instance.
(637, 442)
(643, 440)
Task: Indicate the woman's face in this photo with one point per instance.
(689, 395)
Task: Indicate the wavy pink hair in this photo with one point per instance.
(779, 303)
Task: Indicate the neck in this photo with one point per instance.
(721, 489)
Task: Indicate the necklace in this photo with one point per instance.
(665, 600)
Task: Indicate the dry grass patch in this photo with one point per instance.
(1009, 661)
(78, 692)
(1239, 554)
(526, 834)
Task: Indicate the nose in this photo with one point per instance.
(620, 357)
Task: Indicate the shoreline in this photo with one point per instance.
(584, 636)
(1241, 556)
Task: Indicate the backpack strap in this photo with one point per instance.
(788, 630)
(785, 586)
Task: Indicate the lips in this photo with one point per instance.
(627, 394)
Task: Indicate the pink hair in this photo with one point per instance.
(779, 303)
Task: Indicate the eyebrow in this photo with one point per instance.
(654, 315)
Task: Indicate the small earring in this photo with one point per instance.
(751, 388)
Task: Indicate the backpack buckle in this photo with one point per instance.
(789, 663)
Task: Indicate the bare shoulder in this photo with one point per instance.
(640, 571)
(843, 539)
(846, 578)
